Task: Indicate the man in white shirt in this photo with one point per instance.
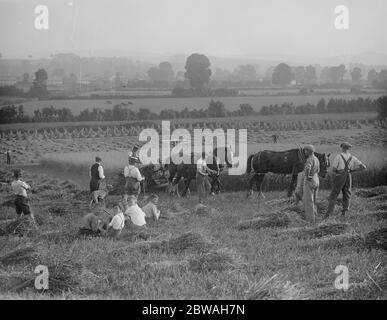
(343, 164)
(19, 188)
(202, 183)
(133, 179)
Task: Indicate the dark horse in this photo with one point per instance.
(281, 162)
(216, 161)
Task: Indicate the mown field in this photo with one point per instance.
(190, 254)
(158, 104)
(237, 249)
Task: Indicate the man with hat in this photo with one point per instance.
(343, 164)
(133, 179)
(19, 188)
(134, 153)
(311, 183)
(96, 174)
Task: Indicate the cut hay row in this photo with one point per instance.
(377, 239)
(27, 255)
(319, 231)
(190, 241)
(70, 132)
(372, 192)
(276, 220)
(62, 277)
(276, 288)
(352, 240)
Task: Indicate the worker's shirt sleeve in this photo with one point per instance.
(100, 171)
(336, 162)
(126, 172)
(90, 172)
(138, 174)
(355, 163)
(25, 185)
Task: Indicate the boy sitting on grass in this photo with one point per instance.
(150, 209)
(92, 224)
(116, 224)
(137, 216)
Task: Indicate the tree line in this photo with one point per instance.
(215, 109)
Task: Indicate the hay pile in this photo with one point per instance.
(219, 261)
(201, 209)
(277, 220)
(336, 242)
(24, 226)
(27, 255)
(168, 264)
(373, 192)
(321, 230)
(58, 236)
(190, 241)
(62, 277)
(377, 239)
(276, 288)
(57, 211)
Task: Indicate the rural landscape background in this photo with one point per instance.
(59, 109)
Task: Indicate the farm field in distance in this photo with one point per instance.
(158, 104)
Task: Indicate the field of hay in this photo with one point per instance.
(192, 254)
(158, 104)
(233, 249)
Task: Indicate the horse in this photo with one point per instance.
(281, 162)
(220, 157)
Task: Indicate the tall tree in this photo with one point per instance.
(198, 72)
(282, 75)
(310, 74)
(300, 74)
(39, 85)
(372, 76)
(356, 74)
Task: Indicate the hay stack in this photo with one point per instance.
(370, 193)
(201, 209)
(377, 239)
(276, 288)
(219, 261)
(336, 242)
(63, 276)
(277, 220)
(24, 226)
(26, 255)
(321, 230)
(188, 241)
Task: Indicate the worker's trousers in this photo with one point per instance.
(310, 197)
(342, 182)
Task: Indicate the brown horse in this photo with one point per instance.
(281, 162)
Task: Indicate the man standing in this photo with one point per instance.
(19, 188)
(133, 179)
(343, 164)
(134, 153)
(202, 183)
(311, 184)
(8, 154)
(96, 174)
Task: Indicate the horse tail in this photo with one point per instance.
(249, 163)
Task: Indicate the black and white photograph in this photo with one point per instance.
(193, 157)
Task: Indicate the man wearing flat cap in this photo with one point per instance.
(96, 174)
(311, 183)
(343, 164)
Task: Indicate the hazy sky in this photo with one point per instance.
(215, 27)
